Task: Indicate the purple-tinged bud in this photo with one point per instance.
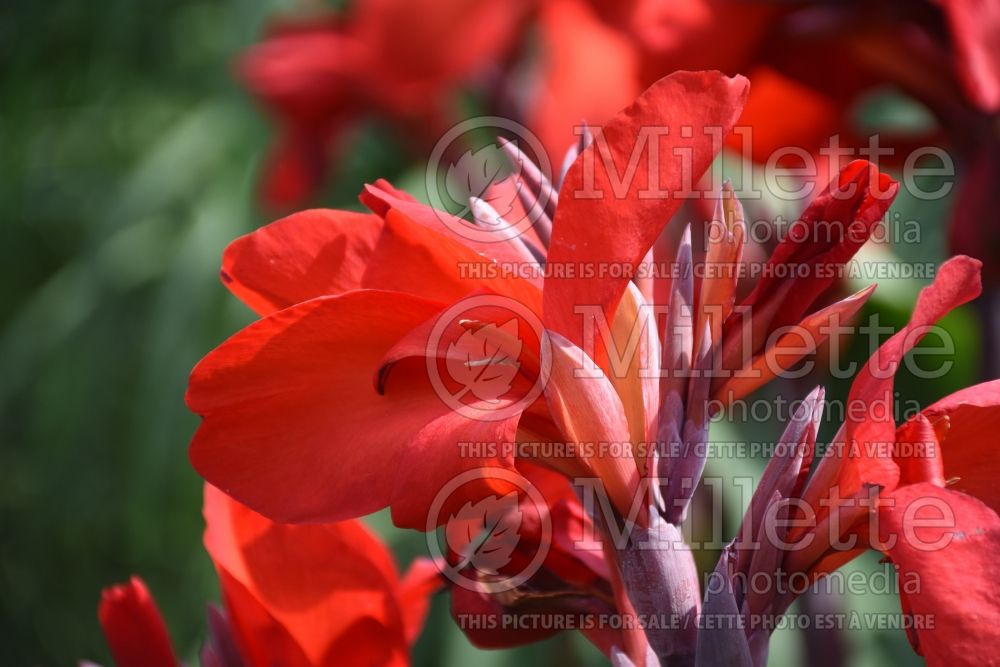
(486, 216)
(535, 190)
(661, 580)
(586, 138)
(686, 469)
(722, 640)
(783, 473)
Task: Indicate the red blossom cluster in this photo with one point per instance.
(392, 367)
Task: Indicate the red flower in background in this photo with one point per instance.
(297, 596)
(809, 61)
(396, 58)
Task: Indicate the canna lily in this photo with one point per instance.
(876, 487)
(400, 59)
(295, 405)
(293, 595)
(327, 407)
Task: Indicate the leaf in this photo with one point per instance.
(474, 172)
(484, 360)
(485, 533)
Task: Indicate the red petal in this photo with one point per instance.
(133, 626)
(410, 257)
(382, 197)
(293, 426)
(918, 453)
(303, 75)
(956, 283)
(590, 416)
(260, 637)
(789, 347)
(957, 586)
(309, 254)
(617, 228)
(319, 584)
(967, 423)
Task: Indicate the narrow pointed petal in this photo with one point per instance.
(722, 261)
(634, 370)
(588, 412)
(765, 561)
(783, 472)
(574, 151)
(536, 190)
(644, 280)
(486, 216)
(789, 348)
(220, 648)
(678, 335)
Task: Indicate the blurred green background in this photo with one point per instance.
(128, 159)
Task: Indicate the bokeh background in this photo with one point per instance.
(129, 158)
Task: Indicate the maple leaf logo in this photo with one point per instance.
(474, 174)
(484, 360)
(484, 534)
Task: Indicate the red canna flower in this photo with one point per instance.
(340, 401)
(294, 405)
(294, 595)
(403, 60)
(883, 488)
